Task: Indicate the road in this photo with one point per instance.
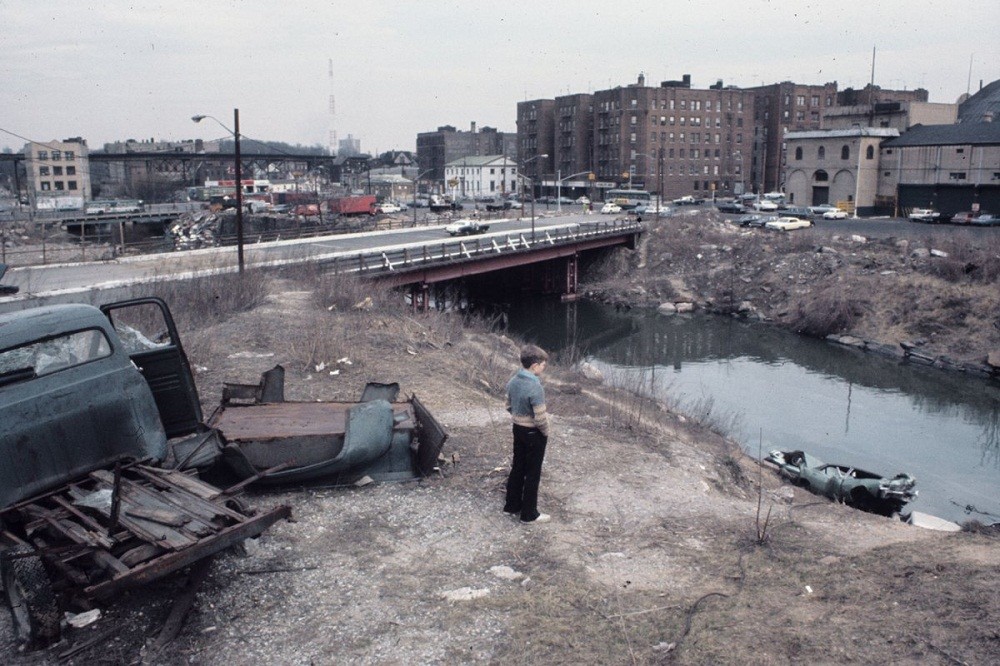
(48, 280)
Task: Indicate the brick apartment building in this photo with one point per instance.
(672, 137)
(57, 171)
(446, 144)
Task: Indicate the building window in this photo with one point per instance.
(798, 153)
(72, 184)
(46, 186)
(59, 185)
(56, 155)
(956, 175)
(696, 186)
(870, 153)
(821, 153)
(800, 100)
(681, 153)
(632, 137)
(634, 120)
(43, 171)
(57, 171)
(815, 100)
(69, 155)
(960, 150)
(800, 115)
(43, 154)
(829, 100)
(845, 152)
(820, 176)
(71, 171)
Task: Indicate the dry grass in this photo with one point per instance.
(827, 310)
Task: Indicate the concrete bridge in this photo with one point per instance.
(413, 257)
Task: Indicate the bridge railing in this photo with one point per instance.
(416, 256)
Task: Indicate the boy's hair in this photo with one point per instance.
(532, 354)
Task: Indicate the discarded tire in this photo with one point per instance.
(29, 597)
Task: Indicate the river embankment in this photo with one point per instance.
(932, 300)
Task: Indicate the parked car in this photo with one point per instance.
(7, 289)
(753, 220)
(611, 208)
(821, 208)
(765, 205)
(924, 215)
(515, 204)
(498, 204)
(800, 212)
(730, 207)
(965, 217)
(387, 207)
(835, 214)
(688, 200)
(787, 224)
(465, 227)
(562, 201)
(855, 487)
(652, 210)
(583, 200)
(987, 220)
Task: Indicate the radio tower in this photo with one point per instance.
(333, 115)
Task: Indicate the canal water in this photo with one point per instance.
(776, 390)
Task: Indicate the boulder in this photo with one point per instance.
(851, 341)
(667, 308)
(591, 371)
(993, 360)
(858, 239)
(684, 307)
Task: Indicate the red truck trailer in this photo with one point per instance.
(356, 205)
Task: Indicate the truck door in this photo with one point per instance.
(150, 337)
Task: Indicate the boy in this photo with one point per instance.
(526, 404)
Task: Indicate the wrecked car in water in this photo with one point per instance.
(855, 487)
(87, 419)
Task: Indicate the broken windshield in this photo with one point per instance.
(43, 357)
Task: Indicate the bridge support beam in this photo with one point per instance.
(572, 266)
(420, 296)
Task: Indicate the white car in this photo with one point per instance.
(819, 209)
(788, 224)
(387, 208)
(924, 215)
(836, 214)
(466, 226)
(611, 208)
(583, 200)
(765, 205)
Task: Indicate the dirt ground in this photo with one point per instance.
(656, 552)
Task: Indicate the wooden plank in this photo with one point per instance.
(77, 534)
(164, 517)
(176, 478)
(187, 500)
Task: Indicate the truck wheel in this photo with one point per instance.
(30, 599)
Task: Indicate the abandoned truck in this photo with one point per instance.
(89, 411)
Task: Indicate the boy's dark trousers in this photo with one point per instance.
(525, 472)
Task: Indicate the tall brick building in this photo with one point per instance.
(672, 137)
(446, 144)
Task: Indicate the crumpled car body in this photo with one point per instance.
(855, 487)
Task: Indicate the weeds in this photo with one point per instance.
(828, 310)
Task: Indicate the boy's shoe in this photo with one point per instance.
(512, 514)
(542, 518)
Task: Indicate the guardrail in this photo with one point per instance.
(416, 256)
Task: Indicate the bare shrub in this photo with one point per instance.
(212, 298)
(827, 311)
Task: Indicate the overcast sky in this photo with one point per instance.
(114, 70)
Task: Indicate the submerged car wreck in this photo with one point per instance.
(855, 487)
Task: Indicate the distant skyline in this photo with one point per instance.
(139, 70)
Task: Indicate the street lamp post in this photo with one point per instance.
(523, 177)
(239, 179)
(559, 181)
(415, 182)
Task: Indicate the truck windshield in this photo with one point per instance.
(43, 357)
